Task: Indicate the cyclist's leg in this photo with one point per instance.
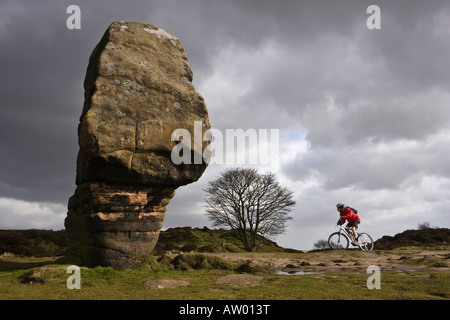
(351, 229)
(348, 228)
(355, 226)
(354, 233)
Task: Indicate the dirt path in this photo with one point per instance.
(330, 261)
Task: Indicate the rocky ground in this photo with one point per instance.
(413, 259)
(253, 265)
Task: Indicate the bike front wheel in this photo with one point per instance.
(337, 241)
(365, 242)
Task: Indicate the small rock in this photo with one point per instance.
(164, 284)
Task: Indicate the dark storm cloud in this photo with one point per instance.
(389, 83)
(372, 166)
(39, 102)
(43, 68)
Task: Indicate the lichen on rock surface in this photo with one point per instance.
(138, 90)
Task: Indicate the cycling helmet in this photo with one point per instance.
(340, 205)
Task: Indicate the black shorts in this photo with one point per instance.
(353, 224)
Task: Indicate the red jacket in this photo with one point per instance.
(349, 215)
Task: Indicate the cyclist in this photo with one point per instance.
(346, 213)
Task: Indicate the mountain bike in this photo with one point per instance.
(341, 239)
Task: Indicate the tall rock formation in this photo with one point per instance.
(138, 91)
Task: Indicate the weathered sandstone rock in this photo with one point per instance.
(138, 90)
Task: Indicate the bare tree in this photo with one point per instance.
(249, 203)
(321, 244)
(424, 225)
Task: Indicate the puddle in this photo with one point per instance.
(295, 273)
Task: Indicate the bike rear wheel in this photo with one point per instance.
(337, 241)
(365, 241)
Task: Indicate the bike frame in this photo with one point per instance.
(343, 231)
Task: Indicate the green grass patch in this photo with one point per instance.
(45, 278)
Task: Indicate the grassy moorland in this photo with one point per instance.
(45, 278)
(419, 272)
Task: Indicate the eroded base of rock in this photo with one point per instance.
(115, 226)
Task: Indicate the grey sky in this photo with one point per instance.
(364, 115)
